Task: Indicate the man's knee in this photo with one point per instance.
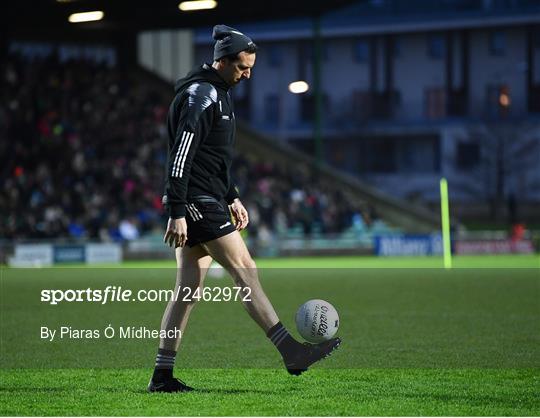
(245, 272)
(245, 262)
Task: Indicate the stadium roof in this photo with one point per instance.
(48, 18)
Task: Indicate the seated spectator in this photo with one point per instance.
(83, 151)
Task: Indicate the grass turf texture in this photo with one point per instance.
(270, 392)
(416, 342)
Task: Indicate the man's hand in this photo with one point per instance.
(240, 214)
(176, 232)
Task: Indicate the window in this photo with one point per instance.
(498, 100)
(467, 155)
(377, 155)
(435, 102)
(361, 105)
(307, 106)
(436, 47)
(418, 154)
(361, 51)
(309, 50)
(497, 43)
(399, 154)
(271, 108)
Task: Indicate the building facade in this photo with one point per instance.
(408, 95)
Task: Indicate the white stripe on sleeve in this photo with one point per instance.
(182, 150)
(177, 157)
(185, 153)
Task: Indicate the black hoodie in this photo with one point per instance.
(201, 129)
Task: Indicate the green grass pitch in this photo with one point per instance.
(417, 340)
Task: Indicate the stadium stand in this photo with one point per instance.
(86, 155)
(85, 150)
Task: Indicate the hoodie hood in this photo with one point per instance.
(202, 73)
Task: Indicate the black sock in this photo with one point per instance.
(164, 364)
(283, 341)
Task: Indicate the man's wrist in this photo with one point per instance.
(177, 210)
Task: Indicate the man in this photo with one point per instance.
(200, 198)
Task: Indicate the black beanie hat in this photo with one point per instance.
(229, 41)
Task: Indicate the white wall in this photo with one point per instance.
(169, 53)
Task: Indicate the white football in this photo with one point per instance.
(317, 320)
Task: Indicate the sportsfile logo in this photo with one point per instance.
(109, 294)
(119, 294)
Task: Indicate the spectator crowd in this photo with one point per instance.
(83, 149)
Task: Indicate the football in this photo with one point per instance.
(317, 320)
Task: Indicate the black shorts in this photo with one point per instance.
(207, 219)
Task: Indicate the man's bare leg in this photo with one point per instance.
(192, 265)
(231, 252)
